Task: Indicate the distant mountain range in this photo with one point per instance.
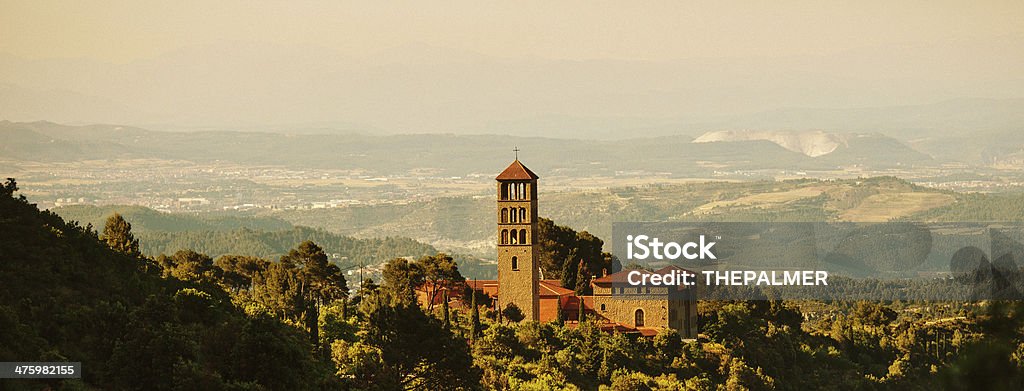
(460, 155)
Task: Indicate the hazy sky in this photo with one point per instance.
(654, 30)
(483, 66)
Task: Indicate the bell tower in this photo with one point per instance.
(517, 231)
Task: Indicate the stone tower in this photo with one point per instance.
(517, 232)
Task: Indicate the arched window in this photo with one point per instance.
(522, 191)
(522, 236)
(639, 315)
(602, 307)
(515, 238)
(522, 215)
(504, 236)
(504, 215)
(515, 263)
(514, 216)
(513, 193)
(504, 191)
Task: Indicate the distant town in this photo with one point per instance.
(183, 186)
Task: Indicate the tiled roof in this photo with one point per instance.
(480, 284)
(516, 171)
(620, 276)
(553, 288)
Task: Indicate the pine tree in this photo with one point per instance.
(118, 236)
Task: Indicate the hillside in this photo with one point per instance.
(465, 223)
(66, 296)
(834, 148)
(456, 155)
(146, 220)
(347, 251)
(219, 234)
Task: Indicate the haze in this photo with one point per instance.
(573, 69)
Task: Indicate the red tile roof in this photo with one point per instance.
(553, 288)
(516, 171)
(480, 284)
(620, 276)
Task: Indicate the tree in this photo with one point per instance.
(415, 347)
(554, 243)
(117, 233)
(278, 289)
(561, 250)
(560, 318)
(570, 271)
(439, 273)
(581, 315)
(188, 265)
(321, 282)
(667, 345)
(8, 189)
(361, 367)
(401, 278)
(743, 377)
(237, 271)
(582, 279)
(512, 313)
(475, 332)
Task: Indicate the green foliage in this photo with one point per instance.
(416, 349)
(117, 233)
(438, 273)
(566, 254)
(188, 265)
(67, 296)
(270, 244)
(979, 207)
(145, 220)
(185, 321)
(362, 367)
(996, 361)
(512, 313)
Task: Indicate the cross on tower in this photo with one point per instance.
(516, 150)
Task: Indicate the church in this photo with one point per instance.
(612, 305)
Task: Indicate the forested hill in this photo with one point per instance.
(216, 234)
(275, 243)
(178, 324)
(146, 220)
(66, 296)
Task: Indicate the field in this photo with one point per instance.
(884, 207)
(764, 199)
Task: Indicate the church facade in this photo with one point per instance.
(612, 304)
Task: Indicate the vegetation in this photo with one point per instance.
(188, 321)
(980, 207)
(455, 223)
